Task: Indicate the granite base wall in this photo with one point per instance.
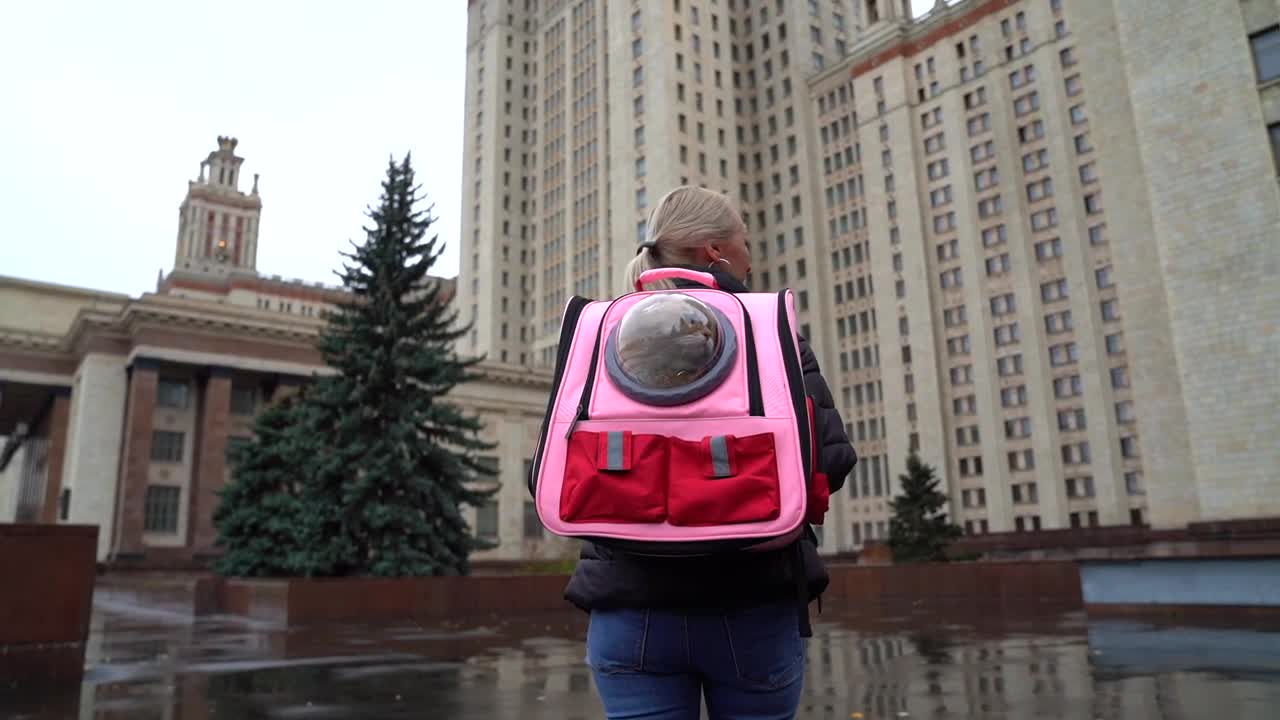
(46, 597)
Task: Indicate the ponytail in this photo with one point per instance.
(643, 262)
(679, 226)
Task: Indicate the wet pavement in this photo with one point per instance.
(149, 664)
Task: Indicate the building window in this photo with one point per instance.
(1129, 447)
(1071, 420)
(487, 521)
(1266, 53)
(1048, 249)
(979, 124)
(235, 443)
(1031, 132)
(1119, 377)
(1015, 396)
(1274, 131)
(943, 223)
(1002, 304)
(990, 207)
(1053, 291)
(1009, 365)
(1028, 103)
(1068, 386)
(166, 446)
(1080, 487)
(1044, 219)
(987, 178)
(1025, 493)
(1133, 483)
(1110, 310)
(171, 393)
(1022, 460)
(1017, 428)
(1115, 344)
(533, 529)
(160, 510)
(1124, 412)
(244, 399)
(1063, 354)
(489, 464)
(1076, 454)
(998, 264)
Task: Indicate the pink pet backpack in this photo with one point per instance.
(678, 423)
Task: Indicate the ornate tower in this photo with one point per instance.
(217, 223)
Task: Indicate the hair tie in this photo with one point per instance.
(649, 245)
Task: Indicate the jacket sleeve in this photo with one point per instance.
(836, 454)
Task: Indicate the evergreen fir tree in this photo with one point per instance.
(919, 530)
(400, 461)
(260, 516)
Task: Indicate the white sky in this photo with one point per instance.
(107, 109)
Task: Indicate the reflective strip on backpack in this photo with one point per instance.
(720, 457)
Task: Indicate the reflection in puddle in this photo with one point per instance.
(885, 666)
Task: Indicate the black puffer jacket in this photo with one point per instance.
(608, 579)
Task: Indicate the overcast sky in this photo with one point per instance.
(107, 109)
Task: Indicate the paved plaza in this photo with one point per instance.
(149, 664)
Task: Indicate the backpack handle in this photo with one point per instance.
(668, 273)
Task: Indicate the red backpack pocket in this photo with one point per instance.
(723, 479)
(615, 477)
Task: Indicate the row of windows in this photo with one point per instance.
(1077, 487)
(175, 394)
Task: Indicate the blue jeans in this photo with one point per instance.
(658, 664)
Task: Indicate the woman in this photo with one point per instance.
(664, 632)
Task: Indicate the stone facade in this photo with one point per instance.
(1200, 214)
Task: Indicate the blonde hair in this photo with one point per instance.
(683, 222)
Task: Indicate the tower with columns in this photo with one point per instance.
(217, 223)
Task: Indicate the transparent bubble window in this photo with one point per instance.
(669, 349)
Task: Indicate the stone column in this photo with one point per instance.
(59, 415)
(136, 458)
(211, 462)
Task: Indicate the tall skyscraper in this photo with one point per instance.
(1001, 260)
(582, 114)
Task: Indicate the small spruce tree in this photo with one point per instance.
(919, 530)
(260, 516)
(400, 460)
